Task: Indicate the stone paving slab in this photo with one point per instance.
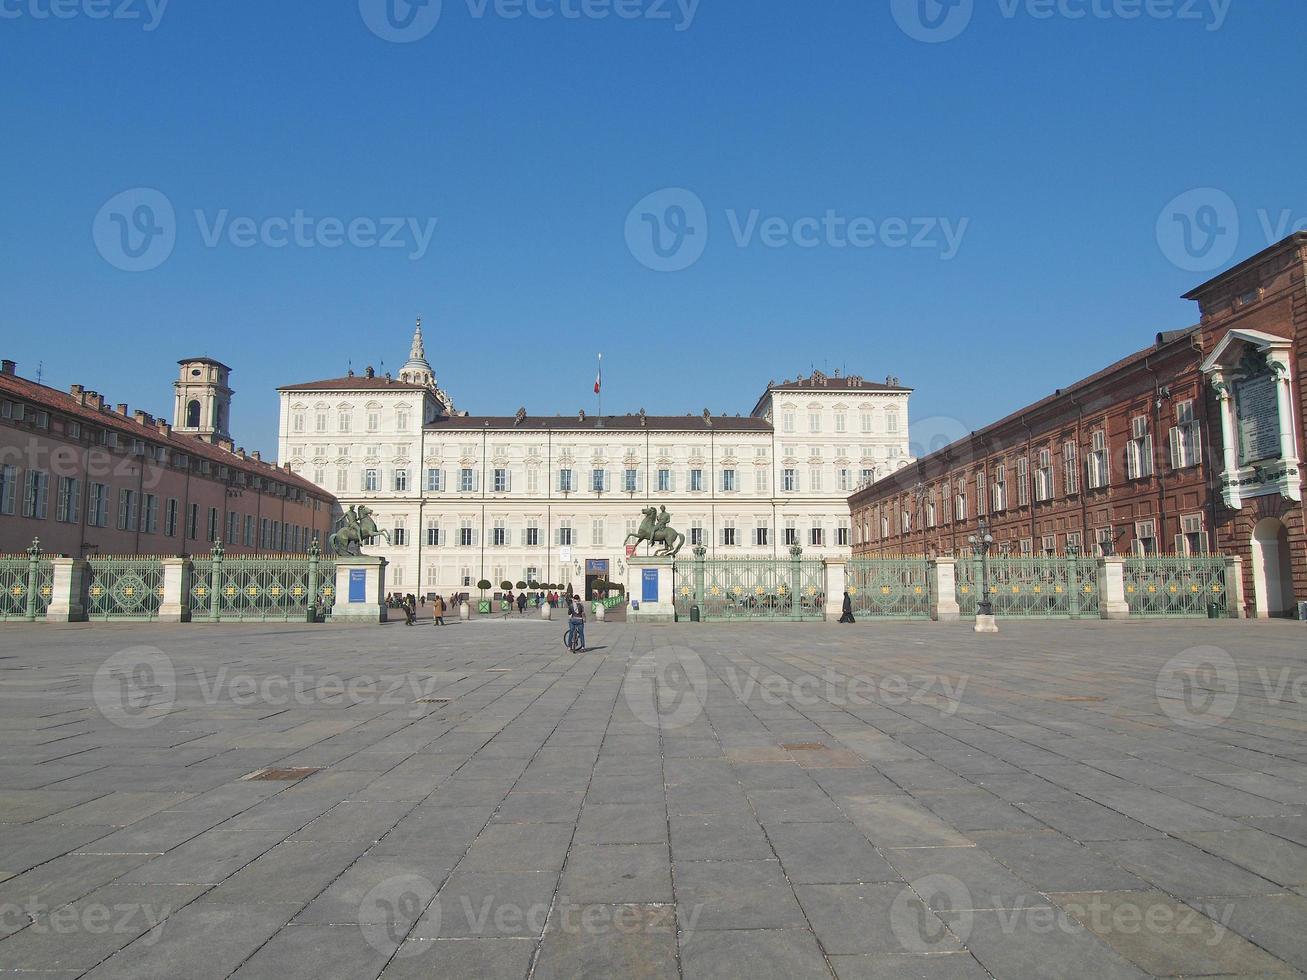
(890, 800)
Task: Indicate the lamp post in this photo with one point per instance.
(981, 542)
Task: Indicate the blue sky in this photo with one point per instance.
(1055, 148)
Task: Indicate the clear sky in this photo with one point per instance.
(988, 213)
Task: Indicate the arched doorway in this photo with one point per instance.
(1272, 573)
(193, 414)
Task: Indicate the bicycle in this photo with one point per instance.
(572, 639)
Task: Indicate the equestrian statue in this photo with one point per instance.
(355, 527)
(656, 530)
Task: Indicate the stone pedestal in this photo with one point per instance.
(1111, 588)
(986, 624)
(68, 589)
(464, 611)
(546, 611)
(944, 592)
(659, 609)
(176, 583)
(599, 612)
(360, 586)
(1234, 587)
(835, 586)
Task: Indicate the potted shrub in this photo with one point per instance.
(483, 604)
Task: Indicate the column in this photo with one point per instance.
(1111, 588)
(944, 606)
(69, 588)
(1234, 587)
(835, 586)
(1230, 446)
(1292, 486)
(175, 607)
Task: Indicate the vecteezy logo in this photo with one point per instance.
(667, 231)
(1199, 230)
(389, 910)
(927, 435)
(400, 21)
(1199, 687)
(932, 21)
(136, 230)
(667, 688)
(917, 928)
(135, 687)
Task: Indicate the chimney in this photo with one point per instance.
(79, 393)
(141, 417)
(257, 456)
(164, 428)
(122, 409)
(8, 367)
(93, 400)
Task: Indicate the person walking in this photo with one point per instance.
(521, 603)
(407, 605)
(847, 611)
(438, 611)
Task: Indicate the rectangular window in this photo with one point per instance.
(1097, 473)
(814, 479)
(533, 480)
(465, 535)
(565, 533)
(761, 481)
(597, 481)
(401, 481)
(499, 534)
(249, 531)
(343, 421)
(371, 481)
(126, 510)
(664, 480)
(728, 481)
(342, 480)
(630, 480)
(891, 420)
(150, 514)
(466, 480)
(1070, 469)
(1145, 538)
(696, 533)
(193, 522)
(696, 481)
(212, 526)
(597, 532)
(814, 421)
(1023, 482)
(787, 421)
(960, 503)
(69, 504)
(843, 477)
(501, 480)
(1186, 441)
(36, 494)
(842, 535)
(866, 422)
(760, 535)
(532, 533)
(564, 481)
(435, 480)
(1044, 476)
(233, 527)
(816, 536)
(791, 533)
(433, 534)
(1192, 539)
(980, 494)
(9, 487)
(1139, 450)
(789, 480)
(1105, 541)
(841, 422)
(1000, 489)
(728, 534)
(170, 513)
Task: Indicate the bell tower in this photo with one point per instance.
(417, 369)
(202, 403)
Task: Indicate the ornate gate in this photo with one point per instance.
(891, 588)
(1174, 586)
(1033, 587)
(280, 587)
(751, 589)
(128, 587)
(26, 584)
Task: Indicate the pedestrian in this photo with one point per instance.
(521, 603)
(438, 611)
(847, 612)
(407, 606)
(576, 619)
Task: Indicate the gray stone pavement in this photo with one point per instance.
(882, 800)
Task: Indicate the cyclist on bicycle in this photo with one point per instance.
(576, 622)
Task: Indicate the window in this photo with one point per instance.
(789, 480)
(960, 503)
(930, 512)
(36, 493)
(67, 506)
(892, 420)
(401, 481)
(532, 480)
(1072, 542)
(371, 480)
(9, 487)
(760, 535)
(760, 480)
(249, 531)
(1070, 469)
(1027, 548)
(170, 518)
(728, 533)
(297, 422)
(150, 514)
(466, 480)
(433, 534)
(842, 478)
(401, 421)
(597, 481)
(374, 421)
(841, 421)
(233, 526)
(1044, 476)
(435, 480)
(696, 480)
(787, 421)
(980, 494)
(501, 480)
(790, 533)
(1192, 539)
(1145, 538)
(1097, 473)
(816, 536)
(343, 421)
(319, 475)
(1139, 450)
(664, 480)
(1023, 482)
(565, 533)
(884, 526)
(1048, 544)
(465, 535)
(905, 520)
(127, 510)
(814, 421)
(565, 481)
(866, 474)
(320, 422)
(1186, 440)
(499, 534)
(630, 480)
(597, 531)
(532, 533)
(728, 481)
(696, 533)
(1105, 541)
(842, 535)
(1000, 489)
(866, 422)
(399, 534)
(342, 479)
(814, 479)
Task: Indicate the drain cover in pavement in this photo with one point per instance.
(286, 775)
(433, 700)
(804, 747)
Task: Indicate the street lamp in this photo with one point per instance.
(981, 542)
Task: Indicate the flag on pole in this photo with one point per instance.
(599, 378)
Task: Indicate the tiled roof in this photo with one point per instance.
(354, 383)
(57, 401)
(610, 423)
(822, 382)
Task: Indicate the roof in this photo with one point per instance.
(821, 382)
(184, 442)
(1297, 239)
(358, 382)
(204, 360)
(592, 423)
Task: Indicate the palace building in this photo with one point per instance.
(523, 497)
(1190, 445)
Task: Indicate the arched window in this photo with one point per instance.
(193, 414)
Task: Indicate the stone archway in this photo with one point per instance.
(1272, 572)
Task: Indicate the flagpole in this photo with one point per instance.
(600, 386)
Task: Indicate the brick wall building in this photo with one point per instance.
(1178, 448)
(87, 478)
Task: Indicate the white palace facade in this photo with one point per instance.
(552, 498)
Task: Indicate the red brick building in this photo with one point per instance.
(1178, 448)
(87, 478)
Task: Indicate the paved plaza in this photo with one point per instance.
(759, 801)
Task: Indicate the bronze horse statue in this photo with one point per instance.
(356, 526)
(656, 531)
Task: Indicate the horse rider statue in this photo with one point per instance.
(356, 526)
(656, 529)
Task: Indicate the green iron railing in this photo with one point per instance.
(26, 584)
(260, 587)
(124, 587)
(1164, 585)
(751, 588)
(891, 588)
(1047, 586)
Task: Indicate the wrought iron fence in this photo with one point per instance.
(27, 582)
(1163, 585)
(891, 588)
(259, 588)
(751, 588)
(124, 587)
(1036, 587)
